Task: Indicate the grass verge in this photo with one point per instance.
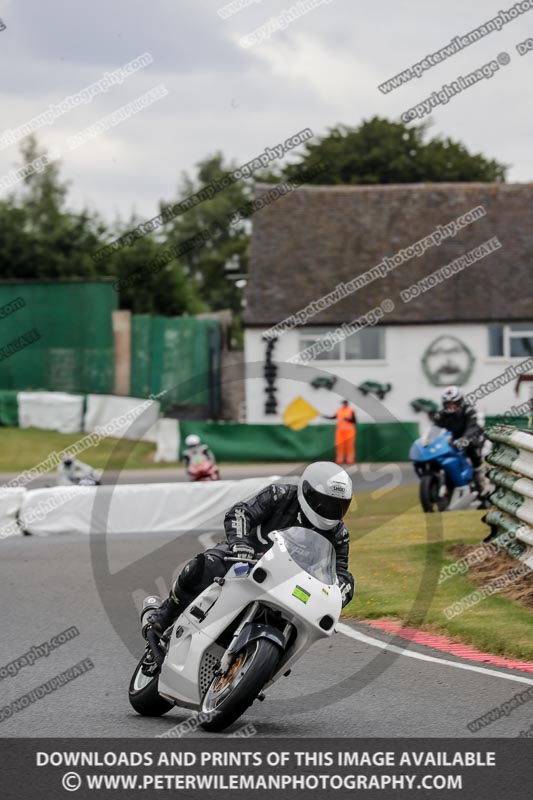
(24, 448)
(396, 556)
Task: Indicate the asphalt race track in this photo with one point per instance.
(345, 687)
(364, 477)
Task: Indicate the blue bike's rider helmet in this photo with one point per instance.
(452, 399)
(324, 494)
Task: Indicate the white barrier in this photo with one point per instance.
(105, 409)
(63, 412)
(167, 440)
(55, 411)
(133, 508)
(512, 511)
(11, 500)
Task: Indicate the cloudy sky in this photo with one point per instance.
(322, 69)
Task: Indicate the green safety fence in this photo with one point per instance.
(179, 355)
(232, 441)
(67, 328)
(9, 409)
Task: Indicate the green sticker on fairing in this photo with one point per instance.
(301, 594)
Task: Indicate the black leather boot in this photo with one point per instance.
(165, 616)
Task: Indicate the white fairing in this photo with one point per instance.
(188, 667)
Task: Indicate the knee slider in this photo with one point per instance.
(215, 565)
(191, 574)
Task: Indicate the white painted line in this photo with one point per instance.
(362, 637)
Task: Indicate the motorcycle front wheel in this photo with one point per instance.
(143, 694)
(429, 494)
(230, 695)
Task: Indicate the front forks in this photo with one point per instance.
(443, 489)
(229, 656)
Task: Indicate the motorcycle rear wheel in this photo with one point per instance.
(429, 495)
(228, 697)
(143, 694)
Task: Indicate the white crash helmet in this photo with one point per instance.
(324, 494)
(452, 399)
(192, 440)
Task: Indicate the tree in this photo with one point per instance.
(166, 291)
(39, 237)
(206, 265)
(381, 151)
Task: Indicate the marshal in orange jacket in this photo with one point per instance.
(344, 433)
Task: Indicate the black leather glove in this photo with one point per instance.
(461, 444)
(242, 550)
(346, 591)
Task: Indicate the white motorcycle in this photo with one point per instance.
(76, 473)
(242, 633)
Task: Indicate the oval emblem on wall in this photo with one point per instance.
(447, 360)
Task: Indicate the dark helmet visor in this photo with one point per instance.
(452, 405)
(323, 504)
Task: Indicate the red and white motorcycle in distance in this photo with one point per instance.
(203, 470)
(242, 633)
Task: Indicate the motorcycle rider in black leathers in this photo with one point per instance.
(319, 502)
(460, 418)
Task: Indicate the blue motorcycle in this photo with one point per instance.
(446, 474)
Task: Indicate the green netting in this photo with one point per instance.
(232, 441)
(9, 409)
(140, 385)
(74, 348)
(179, 355)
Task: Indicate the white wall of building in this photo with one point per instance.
(402, 367)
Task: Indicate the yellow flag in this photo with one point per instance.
(298, 414)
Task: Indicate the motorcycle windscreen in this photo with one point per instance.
(419, 449)
(311, 552)
(434, 433)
